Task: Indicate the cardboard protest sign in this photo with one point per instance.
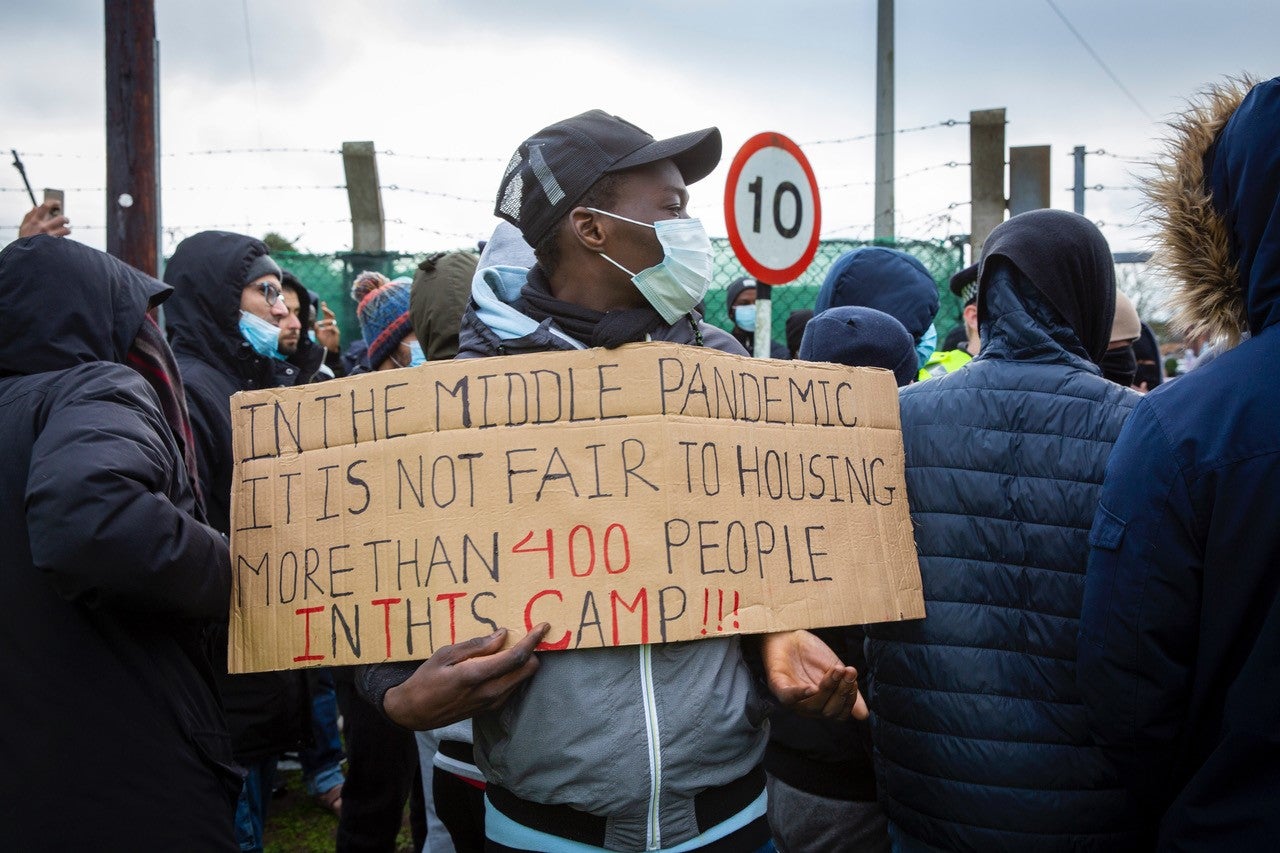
(651, 493)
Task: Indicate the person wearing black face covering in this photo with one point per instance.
(1119, 364)
(980, 741)
(1146, 353)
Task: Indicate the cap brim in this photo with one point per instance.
(964, 278)
(695, 154)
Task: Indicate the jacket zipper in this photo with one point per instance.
(653, 839)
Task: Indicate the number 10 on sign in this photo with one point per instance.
(772, 209)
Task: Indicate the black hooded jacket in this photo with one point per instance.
(110, 730)
(980, 735)
(266, 711)
(207, 272)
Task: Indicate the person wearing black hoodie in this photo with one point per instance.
(980, 735)
(227, 292)
(111, 736)
(301, 353)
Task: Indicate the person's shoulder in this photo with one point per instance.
(714, 337)
(102, 382)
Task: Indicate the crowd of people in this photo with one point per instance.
(1100, 570)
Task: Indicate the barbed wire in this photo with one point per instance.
(64, 189)
(213, 151)
(1121, 225)
(432, 231)
(901, 223)
(951, 164)
(1102, 152)
(436, 193)
(205, 152)
(951, 122)
(443, 159)
(204, 188)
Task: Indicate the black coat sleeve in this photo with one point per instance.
(103, 503)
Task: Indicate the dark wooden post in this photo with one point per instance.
(133, 119)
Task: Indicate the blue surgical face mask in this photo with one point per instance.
(676, 284)
(416, 356)
(928, 343)
(745, 317)
(261, 335)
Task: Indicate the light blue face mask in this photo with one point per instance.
(261, 335)
(928, 343)
(416, 356)
(676, 284)
(745, 317)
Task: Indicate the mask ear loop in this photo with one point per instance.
(616, 264)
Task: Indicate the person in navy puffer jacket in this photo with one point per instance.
(979, 732)
(1180, 637)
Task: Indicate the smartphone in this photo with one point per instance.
(56, 197)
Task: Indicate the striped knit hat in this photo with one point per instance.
(382, 307)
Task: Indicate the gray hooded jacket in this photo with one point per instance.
(630, 734)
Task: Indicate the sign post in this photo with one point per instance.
(773, 213)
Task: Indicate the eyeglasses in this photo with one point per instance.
(270, 292)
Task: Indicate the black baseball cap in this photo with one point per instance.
(555, 167)
(965, 284)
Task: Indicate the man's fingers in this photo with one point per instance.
(500, 663)
(841, 699)
(458, 652)
(500, 689)
(860, 709)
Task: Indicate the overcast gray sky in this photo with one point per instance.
(471, 79)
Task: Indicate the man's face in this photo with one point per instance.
(262, 297)
(746, 297)
(290, 324)
(647, 194)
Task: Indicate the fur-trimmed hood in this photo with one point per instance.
(1216, 200)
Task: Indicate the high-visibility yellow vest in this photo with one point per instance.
(942, 363)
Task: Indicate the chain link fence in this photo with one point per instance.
(331, 277)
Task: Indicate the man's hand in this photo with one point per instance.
(41, 220)
(327, 333)
(808, 678)
(461, 680)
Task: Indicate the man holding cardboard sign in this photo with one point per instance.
(616, 748)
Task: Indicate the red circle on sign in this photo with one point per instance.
(766, 274)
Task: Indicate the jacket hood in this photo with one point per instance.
(207, 272)
(885, 279)
(1067, 260)
(63, 304)
(495, 292)
(438, 299)
(1216, 200)
(1020, 324)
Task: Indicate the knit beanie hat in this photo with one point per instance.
(1126, 326)
(861, 337)
(260, 266)
(734, 290)
(383, 310)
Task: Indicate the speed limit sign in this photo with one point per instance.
(771, 208)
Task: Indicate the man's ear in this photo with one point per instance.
(971, 315)
(590, 230)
